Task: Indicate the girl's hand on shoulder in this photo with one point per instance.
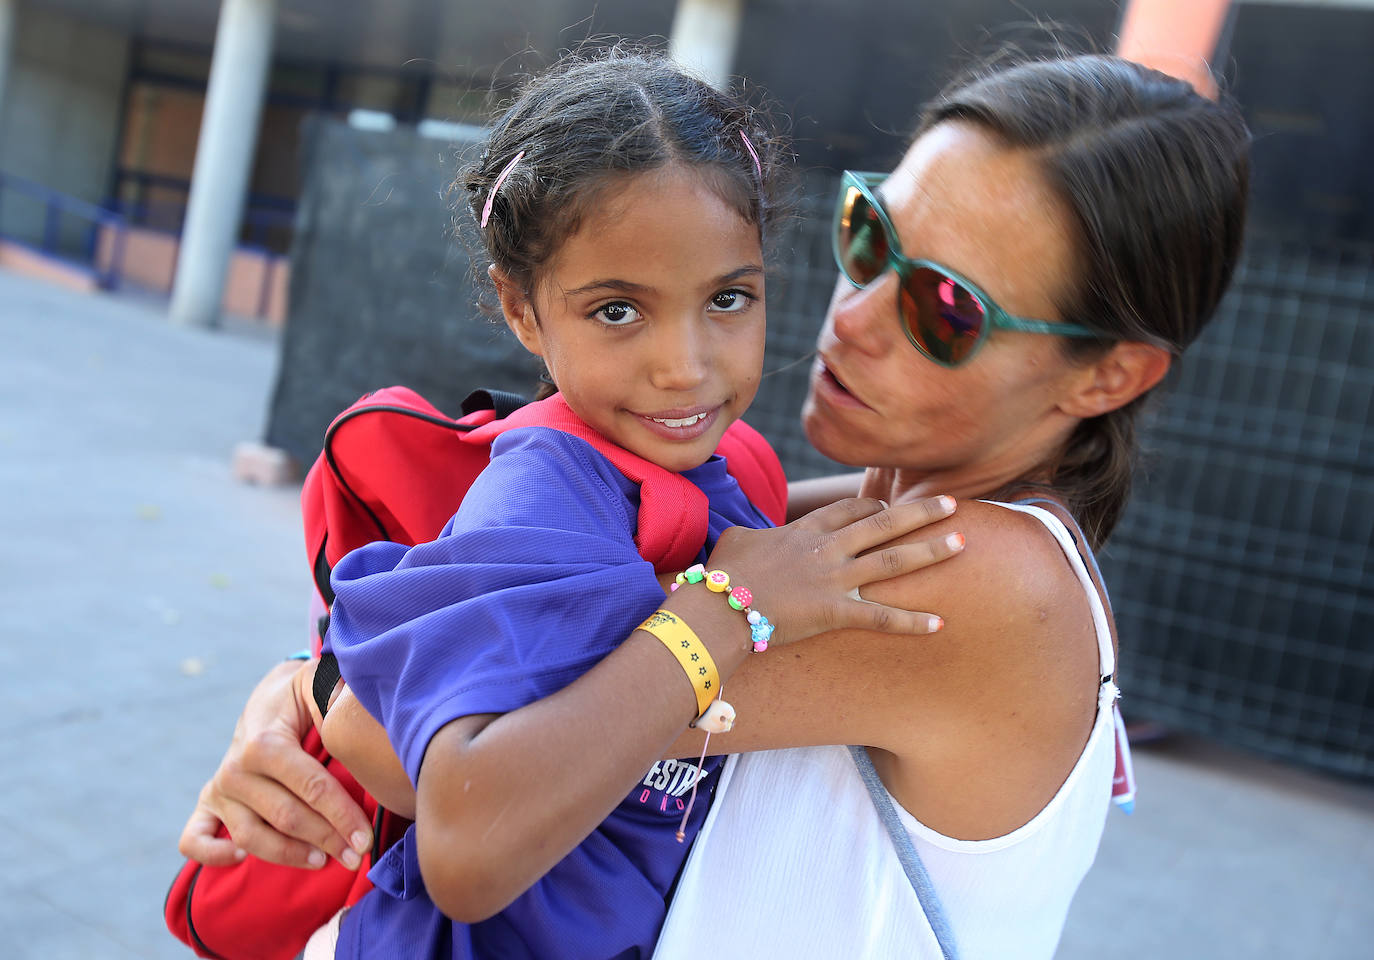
(806, 576)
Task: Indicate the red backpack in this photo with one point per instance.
(394, 468)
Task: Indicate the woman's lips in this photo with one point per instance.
(832, 388)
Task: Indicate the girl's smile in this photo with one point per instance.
(683, 424)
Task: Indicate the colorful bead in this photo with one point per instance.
(760, 632)
(672, 587)
(740, 597)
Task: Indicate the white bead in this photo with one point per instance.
(718, 718)
(754, 616)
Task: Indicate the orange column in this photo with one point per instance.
(1177, 37)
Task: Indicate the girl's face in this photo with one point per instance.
(963, 200)
(650, 318)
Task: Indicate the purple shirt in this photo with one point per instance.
(533, 581)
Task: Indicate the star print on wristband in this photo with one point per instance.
(696, 662)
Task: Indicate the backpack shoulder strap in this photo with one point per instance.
(672, 511)
(754, 464)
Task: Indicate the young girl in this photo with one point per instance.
(623, 206)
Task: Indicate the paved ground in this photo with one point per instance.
(144, 592)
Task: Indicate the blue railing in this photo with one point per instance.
(158, 200)
(48, 230)
(94, 239)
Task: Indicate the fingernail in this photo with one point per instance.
(947, 503)
(955, 541)
(884, 503)
(936, 623)
(360, 840)
(240, 853)
(316, 859)
(351, 859)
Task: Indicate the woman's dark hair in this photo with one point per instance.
(1155, 177)
(588, 120)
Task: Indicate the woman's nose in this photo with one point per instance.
(865, 317)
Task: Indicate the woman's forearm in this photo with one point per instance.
(502, 798)
(804, 496)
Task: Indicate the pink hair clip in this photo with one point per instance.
(500, 179)
(758, 167)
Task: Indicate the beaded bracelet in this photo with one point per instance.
(739, 598)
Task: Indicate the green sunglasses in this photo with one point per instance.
(944, 316)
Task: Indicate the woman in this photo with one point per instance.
(1084, 197)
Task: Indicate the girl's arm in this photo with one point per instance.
(362, 744)
(502, 798)
(1017, 653)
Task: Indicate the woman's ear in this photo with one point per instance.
(517, 310)
(1124, 372)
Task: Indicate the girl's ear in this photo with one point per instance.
(1126, 371)
(517, 310)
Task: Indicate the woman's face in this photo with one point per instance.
(963, 200)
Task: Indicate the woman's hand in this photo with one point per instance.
(276, 800)
(806, 576)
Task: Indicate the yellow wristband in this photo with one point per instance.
(673, 632)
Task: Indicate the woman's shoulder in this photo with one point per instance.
(1013, 609)
(1011, 562)
(1008, 687)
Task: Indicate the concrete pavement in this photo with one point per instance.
(144, 592)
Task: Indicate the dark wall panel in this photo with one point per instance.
(852, 76)
(1305, 78)
(380, 290)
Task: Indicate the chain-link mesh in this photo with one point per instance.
(1241, 571)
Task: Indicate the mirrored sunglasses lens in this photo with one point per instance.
(862, 244)
(941, 315)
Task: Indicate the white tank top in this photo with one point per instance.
(794, 861)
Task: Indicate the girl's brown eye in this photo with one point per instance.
(617, 314)
(730, 301)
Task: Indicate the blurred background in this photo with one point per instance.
(221, 222)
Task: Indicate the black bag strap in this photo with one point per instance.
(326, 678)
(502, 401)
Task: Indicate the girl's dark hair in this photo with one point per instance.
(589, 119)
(1155, 176)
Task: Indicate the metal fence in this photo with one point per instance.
(1242, 571)
(63, 228)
